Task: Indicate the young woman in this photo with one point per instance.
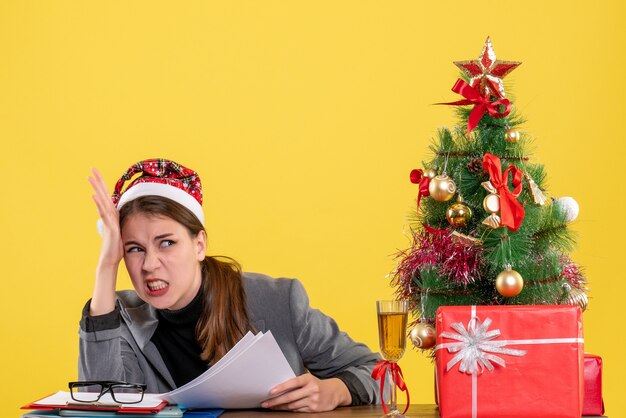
(188, 309)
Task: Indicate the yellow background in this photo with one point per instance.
(303, 120)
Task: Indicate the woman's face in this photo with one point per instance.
(163, 260)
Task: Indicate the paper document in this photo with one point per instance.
(241, 379)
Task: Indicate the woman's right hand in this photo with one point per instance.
(112, 250)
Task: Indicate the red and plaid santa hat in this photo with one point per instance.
(161, 177)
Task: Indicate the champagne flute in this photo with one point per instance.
(392, 320)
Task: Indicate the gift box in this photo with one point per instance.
(509, 361)
(593, 403)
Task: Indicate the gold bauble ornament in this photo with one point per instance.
(459, 214)
(491, 203)
(430, 173)
(509, 283)
(575, 296)
(441, 188)
(423, 336)
(511, 136)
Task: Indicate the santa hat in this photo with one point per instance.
(160, 177)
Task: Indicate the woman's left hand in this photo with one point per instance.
(307, 393)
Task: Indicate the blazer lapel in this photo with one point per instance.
(142, 322)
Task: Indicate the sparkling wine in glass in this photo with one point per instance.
(392, 320)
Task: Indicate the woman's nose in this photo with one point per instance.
(150, 261)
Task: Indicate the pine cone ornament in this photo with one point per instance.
(475, 166)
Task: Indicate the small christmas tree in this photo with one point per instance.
(484, 231)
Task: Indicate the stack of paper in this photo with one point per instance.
(241, 379)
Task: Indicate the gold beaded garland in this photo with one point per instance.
(509, 283)
(423, 336)
(442, 188)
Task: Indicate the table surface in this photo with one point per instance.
(415, 411)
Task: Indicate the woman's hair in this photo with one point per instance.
(224, 318)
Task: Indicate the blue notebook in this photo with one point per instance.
(167, 412)
(203, 413)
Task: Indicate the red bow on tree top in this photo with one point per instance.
(482, 104)
(511, 211)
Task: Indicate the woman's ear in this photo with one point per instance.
(200, 242)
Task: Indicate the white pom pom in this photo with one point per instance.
(568, 206)
(100, 227)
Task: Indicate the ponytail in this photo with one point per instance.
(224, 318)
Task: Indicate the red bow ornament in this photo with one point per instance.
(481, 104)
(511, 211)
(379, 373)
(418, 177)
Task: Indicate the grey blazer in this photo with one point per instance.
(309, 339)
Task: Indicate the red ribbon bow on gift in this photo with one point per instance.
(511, 211)
(379, 373)
(482, 104)
(418, 177)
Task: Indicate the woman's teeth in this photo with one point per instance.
(157, 284)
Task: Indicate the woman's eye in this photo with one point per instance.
(167, 243)
(133, 250)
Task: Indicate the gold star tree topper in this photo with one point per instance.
(486, 72)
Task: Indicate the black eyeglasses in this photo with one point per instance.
(121, 392)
